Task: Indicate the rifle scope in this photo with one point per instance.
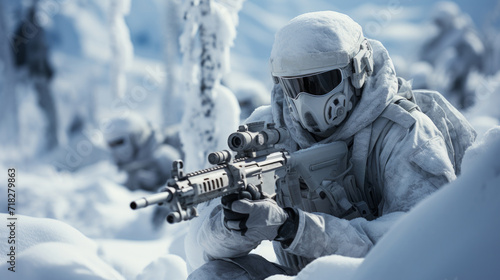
(255, 137)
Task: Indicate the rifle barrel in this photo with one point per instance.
(152, 199)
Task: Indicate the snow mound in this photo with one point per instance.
(50, 249)
(168, 266)
(451, 235)
(131, 257)
(55, 260)
(32, 231)
(344, 268)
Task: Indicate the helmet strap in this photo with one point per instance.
(362, 64)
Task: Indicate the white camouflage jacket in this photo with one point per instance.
(407, 162)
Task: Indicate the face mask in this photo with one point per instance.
(122, 149)
(319, 102)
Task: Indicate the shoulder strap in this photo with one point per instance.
(360, 153)
(405, 98)
(406, 104)
(363, 147)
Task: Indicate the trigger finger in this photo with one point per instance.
(254, 192)
(245, 194)
(230, 215)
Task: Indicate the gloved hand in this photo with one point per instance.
(257, 219)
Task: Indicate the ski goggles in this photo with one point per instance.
(115, 143)
(315, 84)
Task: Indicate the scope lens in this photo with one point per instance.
(236, 142)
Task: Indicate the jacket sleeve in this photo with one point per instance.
(408, 164)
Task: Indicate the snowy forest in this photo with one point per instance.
(74, 74)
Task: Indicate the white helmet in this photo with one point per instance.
(125, 135)
(313, 59)
(446, 14)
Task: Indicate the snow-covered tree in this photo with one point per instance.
(30, 52)
(208, 34)
(120, 44)
(9, 119)
(173, 21)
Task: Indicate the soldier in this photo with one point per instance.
(332, 84)
(455, 51)
(136, 149)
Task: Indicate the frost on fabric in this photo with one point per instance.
(325, 37)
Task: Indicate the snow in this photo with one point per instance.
(171, 266)
(344, 267)
(44, 245)
(73, 219)
(69, 261)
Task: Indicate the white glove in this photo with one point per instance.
(256, 219)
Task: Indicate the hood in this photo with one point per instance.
(377, 93)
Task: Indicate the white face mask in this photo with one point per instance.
(319, 113)
(122, 149)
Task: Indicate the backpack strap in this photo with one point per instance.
(378, 129)
(406, 104)
(405, 98)
(364, 143)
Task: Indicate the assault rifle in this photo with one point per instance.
(258, 162)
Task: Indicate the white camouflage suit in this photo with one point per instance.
(407, 162)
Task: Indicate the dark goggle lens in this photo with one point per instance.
(317, 84)
(115, 143)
